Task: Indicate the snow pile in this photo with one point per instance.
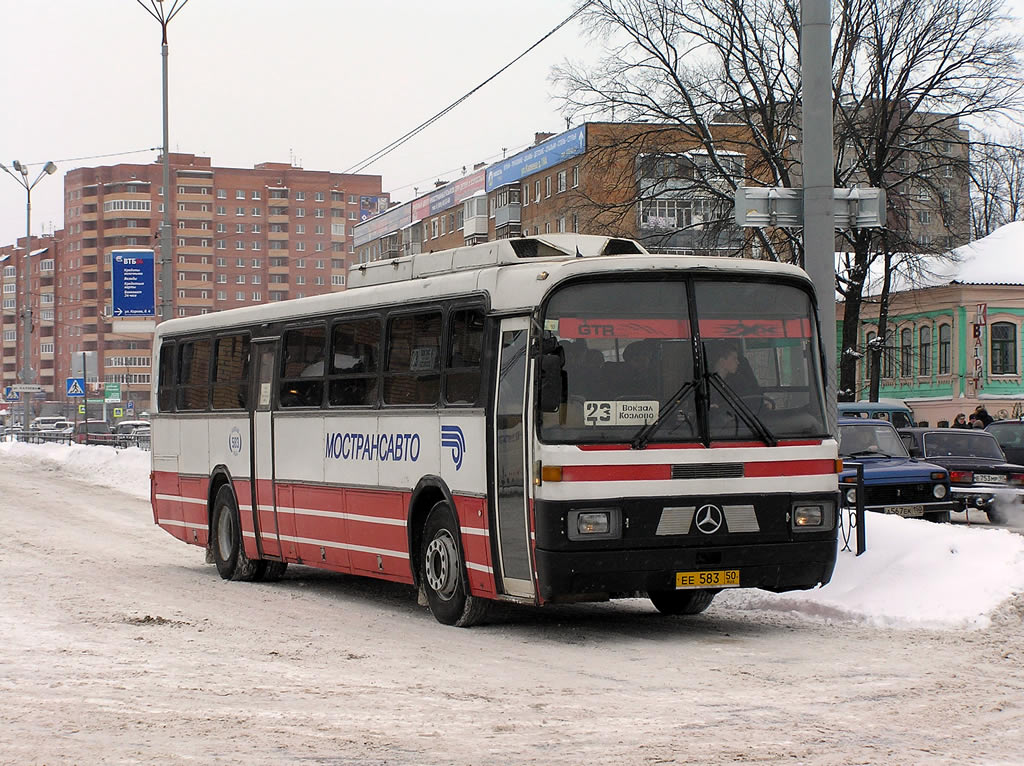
(915, 574)
(126, 470)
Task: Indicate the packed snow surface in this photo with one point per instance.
(914, 574)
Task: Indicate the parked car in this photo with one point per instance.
(125, 431)
(893, 410)
(46, 423)
(978, 471)
(894, 482)
(1010, 435)
(93, 432)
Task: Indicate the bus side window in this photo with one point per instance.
(465, 347)
(193, 389)
(165, 383)
(413, 372)
(302, 367)
(355, 349)
(231, 373)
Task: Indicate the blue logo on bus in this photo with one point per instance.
(451, 436)
(235, 441)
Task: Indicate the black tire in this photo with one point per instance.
(681, 601)
(273, 570)
(939, 518)
(226, 541)
(442, 573)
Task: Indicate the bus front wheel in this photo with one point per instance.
(442, 572)
(226, 540)
(681, 601)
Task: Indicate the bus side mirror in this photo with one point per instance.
(552, 381)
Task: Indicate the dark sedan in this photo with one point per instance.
(980, 476)
(1010, 435)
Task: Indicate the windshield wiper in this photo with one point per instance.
(752, 421)
(868, 453)
(643, 436)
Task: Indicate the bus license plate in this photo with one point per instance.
(723, 578)
(906, 510)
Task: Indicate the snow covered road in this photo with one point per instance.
(118, 644)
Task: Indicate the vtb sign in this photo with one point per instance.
(133, 281)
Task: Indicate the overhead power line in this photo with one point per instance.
(363, 164)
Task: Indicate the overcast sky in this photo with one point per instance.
(320, 83)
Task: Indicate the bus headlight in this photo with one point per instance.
(813, 517)
(594, 524)
(851, 496)
(939, 490)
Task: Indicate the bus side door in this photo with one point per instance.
(262, 439)
(511, 490)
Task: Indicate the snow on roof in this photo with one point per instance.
(37, 252)
(992, 260)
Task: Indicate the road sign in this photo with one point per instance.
(75, 387)
(112, 392)
(81, 409)
(11, 395)
(118, 412)
(133, 283)
(131, 407)
(27, 388)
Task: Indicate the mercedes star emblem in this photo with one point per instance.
(709, 519)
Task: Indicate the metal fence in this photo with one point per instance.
(118, 441)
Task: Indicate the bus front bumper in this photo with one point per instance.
(776, 567)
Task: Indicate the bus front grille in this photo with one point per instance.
(708, 471)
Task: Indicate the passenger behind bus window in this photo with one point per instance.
(725, 360)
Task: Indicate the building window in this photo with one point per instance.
(924, 365)
(536, 190)
(547, 186)
(906, 352)
(1004, 348)
(561, 181)
(338, 280)
(222, 194)
(255, 195)
(300, 212)
(239, 211)
(239, 194)
(945, 336)
(575, 176)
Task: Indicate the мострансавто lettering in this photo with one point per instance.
(352, 446)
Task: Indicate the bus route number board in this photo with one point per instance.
(722, 578)
(620, 413)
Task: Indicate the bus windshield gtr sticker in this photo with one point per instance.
(264, 394)
(620, 413)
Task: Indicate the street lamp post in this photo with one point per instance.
(26, 314)
(157, 9)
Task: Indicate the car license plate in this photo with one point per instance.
(722, 578)
(906, 510)
(991, 478)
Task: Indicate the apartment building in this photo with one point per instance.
(635, 180)
(240, 237)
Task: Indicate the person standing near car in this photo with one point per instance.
(980, 413)
(960, 421)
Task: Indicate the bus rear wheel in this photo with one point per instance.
(226, 541)
(681, 601)
(442, 573)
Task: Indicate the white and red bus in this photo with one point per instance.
(538, 420)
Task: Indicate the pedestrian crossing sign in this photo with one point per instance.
(76, 386)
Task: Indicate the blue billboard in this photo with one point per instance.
(551, 152)
(133, 285)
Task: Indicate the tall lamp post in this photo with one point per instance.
(158, 10)
(20, 175)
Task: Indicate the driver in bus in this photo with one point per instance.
(724, 359)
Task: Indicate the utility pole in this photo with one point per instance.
(157, 9)
(26, 309)
(819, 220)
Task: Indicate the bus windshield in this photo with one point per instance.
(626, 353)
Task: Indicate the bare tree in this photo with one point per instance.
(997, 183)
(906, 74)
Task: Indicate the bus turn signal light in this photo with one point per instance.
(551, 473)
